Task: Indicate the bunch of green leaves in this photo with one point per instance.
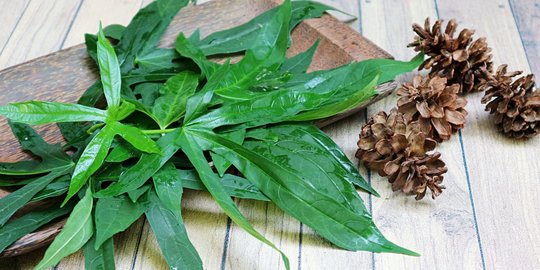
(173, 120)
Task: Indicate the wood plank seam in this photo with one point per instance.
(15, 27)
(478, 238)
(510, 4)
(465, 167)
(226, 243)
(300, 232)
(137, 245)
(71, 24)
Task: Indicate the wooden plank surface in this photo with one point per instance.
(428, 227)
(486, 219)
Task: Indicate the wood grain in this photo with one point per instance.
(503, 173)
(525, 13)
(426, 226)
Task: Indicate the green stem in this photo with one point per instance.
(158, 131)
(94, 127)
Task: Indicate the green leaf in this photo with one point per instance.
(198, 103)
(17, 199)
(195, 154)
(52, 155)
(145, 168)
(300, 62)
(122, 152)
(145, 30)
(31, 141)
(41, 112)
(91, 159)
(186, 48)
(29, 167)
(114, 31)
(171, 105)
(149, 92)
(308, 92)
(342, 102)
(264, 56)
(134, 195)
(169, 187)
(109, 70)
(234, 185)
(170, 232)
(309, 204)
(58, 187)
(101, 258)
(135, 137)
(114, 215)
(77, 231)
(28, 223)
(158, 59)
(241, 37)
(321, 160)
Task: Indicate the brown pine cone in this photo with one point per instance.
(516, 105)
(398, 150)
(434, 104)
(460, 59)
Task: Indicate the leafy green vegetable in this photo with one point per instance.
(233, 128)
(17, 199)
(170, 106)
(147, 166)
(78, 230)
(135, 137)
(302, 200)
(299, 63)
(170, 232)
(28, 223)
(240, 38)
(307, 145)
(91, 159)
(144, 31)
(109, 70)
(40, 112)
(114, 215)
(234, 185)
(101, 258)
(52, 156)
(211, 181)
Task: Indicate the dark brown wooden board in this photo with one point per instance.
(63, 76)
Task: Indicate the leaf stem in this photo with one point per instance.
(94, 127)
(158, 131)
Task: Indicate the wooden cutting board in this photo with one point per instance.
(63, 76)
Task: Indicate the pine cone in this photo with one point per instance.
(434, 104)
(461, 60)
(515, 104)
(397, 149)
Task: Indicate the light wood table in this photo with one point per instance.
(487, 218)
